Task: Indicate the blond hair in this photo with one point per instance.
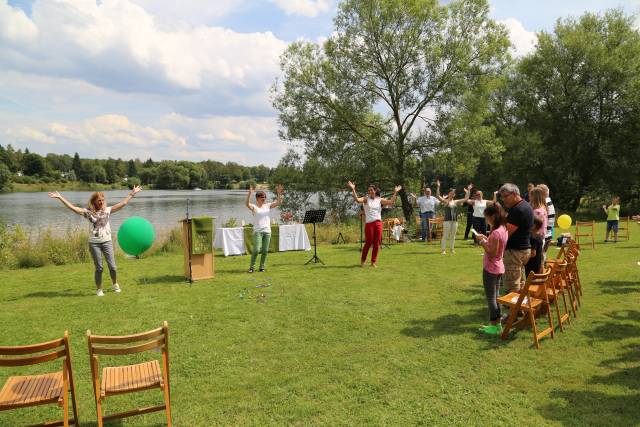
(537, 199)
(92, 201)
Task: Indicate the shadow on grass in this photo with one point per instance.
(617, 329)
(617, 287)
(57, 294)
(167, 278)
(450, 324)
(578, 407)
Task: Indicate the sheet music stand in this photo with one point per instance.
(313, 217)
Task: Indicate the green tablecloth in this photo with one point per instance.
(273, 244)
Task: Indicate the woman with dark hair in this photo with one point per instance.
(261, 224)
(100, 242)
(450, 225)
(372, 204)
(492, 263)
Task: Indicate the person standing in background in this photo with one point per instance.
(613, 217)
(450, 225)
(551, 217)
(427, 205)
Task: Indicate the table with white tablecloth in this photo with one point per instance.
(230, 240)
(237, 240)
(293, 238)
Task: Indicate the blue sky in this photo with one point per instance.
(176, 80)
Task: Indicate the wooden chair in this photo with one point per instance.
(387, 229)
(418, 232)
(623, 227)
(42, 389)
(573, 282)
(131, 378)
(531, 305)
(557, 289)
(588, 231)
(437, 227)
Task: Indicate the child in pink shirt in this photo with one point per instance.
(493, 265)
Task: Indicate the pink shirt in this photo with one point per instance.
(495, 265)
(542, 214)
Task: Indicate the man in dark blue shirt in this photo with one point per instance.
(519, 223)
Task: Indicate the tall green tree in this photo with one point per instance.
(5, 177)
(76, 166)
(570, 116)
(386, 76)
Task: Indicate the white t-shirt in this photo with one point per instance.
(100, 228)
(261, 219)
(427, 204)
(372, 209)
(478, 208)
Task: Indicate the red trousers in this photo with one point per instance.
(372, 237)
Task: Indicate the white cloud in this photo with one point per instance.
(308, 8)
(243, 139)
(15, 26)
(118, 45)
(195, 12)
(28, 135)
(523, 41)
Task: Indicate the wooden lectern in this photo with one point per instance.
(201, 265)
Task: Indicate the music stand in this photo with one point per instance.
(313, 217)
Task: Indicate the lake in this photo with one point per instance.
(163, 208)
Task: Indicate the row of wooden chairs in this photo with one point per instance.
(587, 231)
(434, 233)
(558, 289)
(55, 387)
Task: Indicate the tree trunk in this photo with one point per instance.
(407, 208)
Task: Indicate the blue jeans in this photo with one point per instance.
(424, 222)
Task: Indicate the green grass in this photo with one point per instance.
(338, 344)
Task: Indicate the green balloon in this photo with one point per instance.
(135, 235)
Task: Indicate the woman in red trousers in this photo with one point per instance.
(372, 204)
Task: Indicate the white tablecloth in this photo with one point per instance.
(230, 240)
(293, 238)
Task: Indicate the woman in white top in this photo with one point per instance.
(372, 204)
(478, 221)
(100, 242)
(261, 224)
(450, 225)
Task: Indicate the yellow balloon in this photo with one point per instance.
(564, 221)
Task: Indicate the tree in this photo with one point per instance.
(386, 76)
(572, 109)
(132, 170)
(171, 176)
(5, 177)
(76, 166)
(33, 164)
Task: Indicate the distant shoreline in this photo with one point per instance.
(83, 186)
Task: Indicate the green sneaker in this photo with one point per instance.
(493, 330)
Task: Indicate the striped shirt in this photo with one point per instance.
(551, 218)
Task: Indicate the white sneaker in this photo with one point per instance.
(452, 252)
(444, 252)
(116, 288)
(99, 293)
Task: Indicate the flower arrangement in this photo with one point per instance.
(286, 217)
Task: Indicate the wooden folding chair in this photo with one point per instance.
(623, 227)
(437, 228)
(573, 282)
(42, 389)
(131, 378)
(557, 289)
(588, 231)
(532, 302)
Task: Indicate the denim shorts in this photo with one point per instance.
(612, 225)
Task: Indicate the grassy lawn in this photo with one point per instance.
(338, 344)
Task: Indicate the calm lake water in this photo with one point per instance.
(163, 208)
